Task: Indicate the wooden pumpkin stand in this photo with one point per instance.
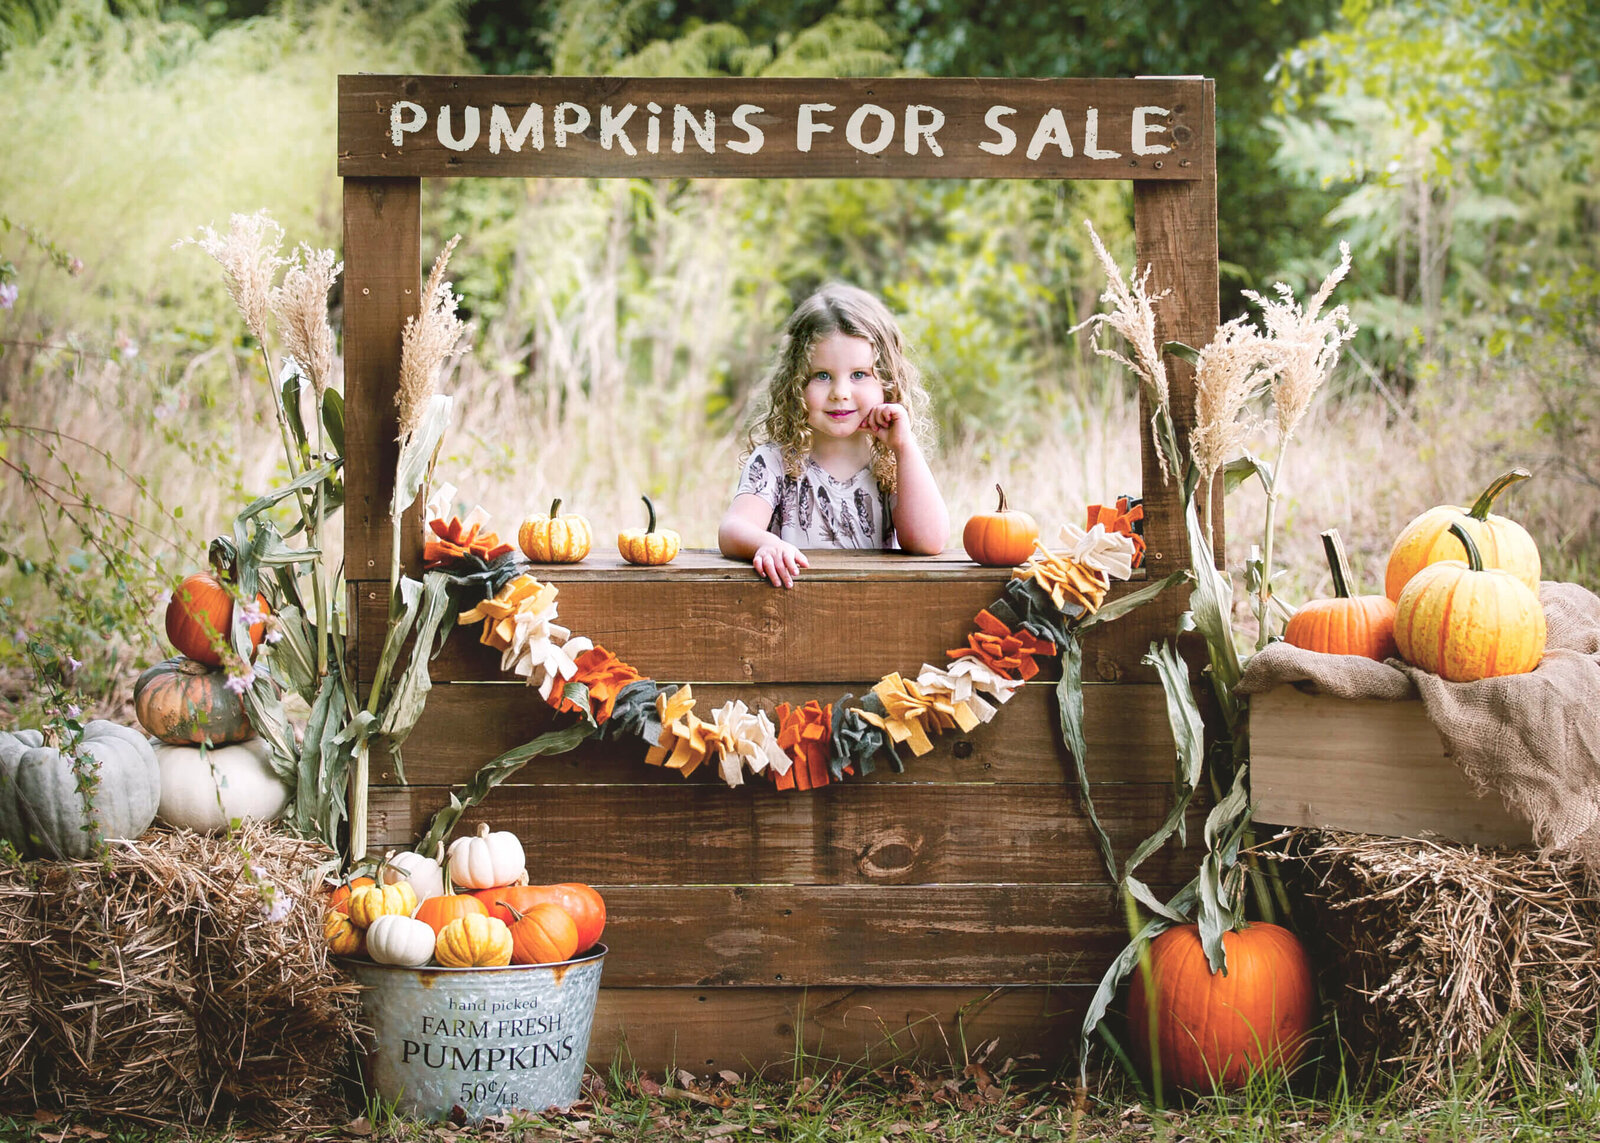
(902, 915)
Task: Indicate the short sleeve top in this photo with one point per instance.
(816, 509)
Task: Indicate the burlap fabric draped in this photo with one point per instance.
(1534, 739)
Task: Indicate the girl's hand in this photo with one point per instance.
(780, 562)
(889, 423)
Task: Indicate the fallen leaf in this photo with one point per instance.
(579, 1124)
(495, 1123)
(649, 1086)
(42, 1116)
(695, 1097)
(359, 1127)
(685, 1079)
(898, 1129)
(931, 1125)
(731, 1076)
(723, 1130)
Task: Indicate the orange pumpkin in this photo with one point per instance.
(186, 703)
(201, 611)
(583, 904)
(441, 910)
(339, 899)
(648, 546)
(1465, 622)
(1346, 624)
(1502, 543)
(545, 934)
(555, 539)
(1002, 538)
(1216, 1030)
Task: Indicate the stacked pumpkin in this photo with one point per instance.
(213, 767)
(414, 915)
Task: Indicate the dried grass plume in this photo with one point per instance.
(1230, 372)
(429, 337)
(301, 307)
(248, 255)
(1305, 344)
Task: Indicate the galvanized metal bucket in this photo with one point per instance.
(486, 1040)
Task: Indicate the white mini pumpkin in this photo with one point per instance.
(488, 860)
(425, 873)
(396, 939)
(204, 790)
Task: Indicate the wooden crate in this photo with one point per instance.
(1368, 766)
(896, 914)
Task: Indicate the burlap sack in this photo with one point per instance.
(1534, 739)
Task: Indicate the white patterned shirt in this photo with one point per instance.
(816, 509)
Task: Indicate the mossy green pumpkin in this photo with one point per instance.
(183, 702)
(43, 813)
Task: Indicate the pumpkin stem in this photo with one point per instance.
(1338, 564)
(1474, 557)
(651, 508)
(1002, 493)
(483, 829)
(516, 914)
(555, 506)
(1480, 508)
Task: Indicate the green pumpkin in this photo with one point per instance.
(41, 810)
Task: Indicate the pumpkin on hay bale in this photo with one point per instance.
(184, 977)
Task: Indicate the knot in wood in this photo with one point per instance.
(888, 855)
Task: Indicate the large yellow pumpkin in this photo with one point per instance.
(1464, 622)
(1502, 543)
(555, 539)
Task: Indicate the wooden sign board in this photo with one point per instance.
(556, 126)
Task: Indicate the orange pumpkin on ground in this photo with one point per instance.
(1502, 543)
(544, 934)
(1465, 622)
(185, 703)
(583, 904)
(1346, 624)
(201, 610)
(1002, 538)
(1215, 1030)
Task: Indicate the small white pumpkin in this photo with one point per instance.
(488, 860)
(204, 790)
(397, 939)
(425, 873)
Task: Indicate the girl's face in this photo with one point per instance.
(842, 385)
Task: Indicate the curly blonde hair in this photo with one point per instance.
(852, 311)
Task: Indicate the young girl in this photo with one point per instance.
(840, 464)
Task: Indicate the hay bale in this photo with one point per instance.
(16, 1021)
(185, 977)
(1454, 963)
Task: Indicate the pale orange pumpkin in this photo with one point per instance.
(555, 539)
(1465, 622)
(1002, 538)
(1502, 543)
(648, 546)
(1347, 624)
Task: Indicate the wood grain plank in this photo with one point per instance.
(466, 724)
(763, 935)
(1369, 766)
(396, 125)
(764, 1029)
(692, 629)
(853, 833)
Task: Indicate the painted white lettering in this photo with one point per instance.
(1091, 137)
(858, 119)
(416, 119)
(1142, 130)
(577, 124)
(1052, 129)
(808, 126)
(652, 132)
(500, 128)
(917, 130)
(683, 120)
(1007, 137)
(469, 128)
(611, 127)
(754, 136)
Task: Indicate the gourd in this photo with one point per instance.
(367, 905)
(474, 941)
(555, 539)
(39, 800)
(583, 904)
(1002, 538)
(394, 939)
(1216, 1029)
(339, 899)
(1346, 624)
(487, 860)
(648, 546)
(184, 702)
(342, 935)
(425, 874)
(1465, 622)
(1502, 543)
(545, 934)
(206, 790)
(202, 609)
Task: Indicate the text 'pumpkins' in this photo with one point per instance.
(1502, 543)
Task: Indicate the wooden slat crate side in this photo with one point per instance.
(1368, 766)
(789, 935)
(884, 833)
(745, 1029)
(467, 724)
(746, 631)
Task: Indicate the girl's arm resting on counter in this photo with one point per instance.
(744, 526)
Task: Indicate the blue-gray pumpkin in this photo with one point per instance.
(41, 810)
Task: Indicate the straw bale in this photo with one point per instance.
(16, 1024)
(1456, 964)
(183, 977)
